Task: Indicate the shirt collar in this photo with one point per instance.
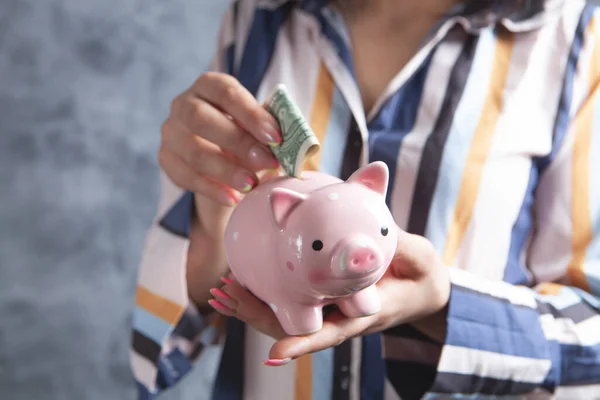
(475, 15)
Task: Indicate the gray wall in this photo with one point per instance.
(84, 86)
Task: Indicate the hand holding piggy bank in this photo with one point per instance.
(302, 244)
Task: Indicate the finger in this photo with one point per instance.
(269, 174)
(413, 255)
(253, 311)
(224, 298)
(208, 160)
(186, 178)
(221, 308)
(197, 117)
(336, 329)
(228, 94)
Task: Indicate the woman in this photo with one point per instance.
(488, 116)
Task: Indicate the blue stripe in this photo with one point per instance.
(150, 325)
(171, 368)
(515, 270)
(477, 396)
(331, 32)
(482, 322)
(395, 120)
(562, 121)
(580, 364)
(336, 135)
(260, 45)
(459, 140)
(178, 220)
(373, 368)
(229, 383)
(322, 375)
(143, 393)
(230, 58)
(554, 375)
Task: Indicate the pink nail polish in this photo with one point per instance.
(219, 293)
(276, 362)
(243, 181)
(217, 305)
(228, 197)
(226, 280)
(271, 133)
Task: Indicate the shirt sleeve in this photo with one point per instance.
(506, 340)
(168, 333)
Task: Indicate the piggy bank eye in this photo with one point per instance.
(317, 245)
(384, 231)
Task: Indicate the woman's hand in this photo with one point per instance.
(215, 143)
(414, 289)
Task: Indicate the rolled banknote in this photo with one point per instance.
(299, 141)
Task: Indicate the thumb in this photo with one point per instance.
(413, 255)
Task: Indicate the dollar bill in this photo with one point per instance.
(299, 141)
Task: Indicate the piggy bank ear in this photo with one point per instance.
(283, 202)
(375, 176)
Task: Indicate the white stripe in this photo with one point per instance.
(551, 250)
(389, 393)
(294, 50)
(224, 40)
(162, 268)
(143, 370)
(590, 392)
(462, 360)
(411, 149)
(565, 331)
(517, 295)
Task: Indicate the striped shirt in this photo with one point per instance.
(492, 136)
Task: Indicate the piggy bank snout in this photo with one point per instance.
(357, 256)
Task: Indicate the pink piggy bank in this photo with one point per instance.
(302, 244)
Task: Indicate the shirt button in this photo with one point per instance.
(345, 383)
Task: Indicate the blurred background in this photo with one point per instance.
(84, 88)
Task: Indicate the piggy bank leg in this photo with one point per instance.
(298, 319)
(360, 304)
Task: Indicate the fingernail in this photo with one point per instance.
(224, 299)
(226, 280)
(229, 198)
(220, 307)
(276, 362)
(271, 133)
(219, 293)
(261, 158)
(243, 181)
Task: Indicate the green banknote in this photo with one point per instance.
(299, 141)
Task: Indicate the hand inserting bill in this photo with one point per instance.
(415, 289)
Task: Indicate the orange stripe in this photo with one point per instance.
(580, 177)
(320, 114)
(319, 121)
(157, 305)
(480, 146)
(303, 390)
(549, 288)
